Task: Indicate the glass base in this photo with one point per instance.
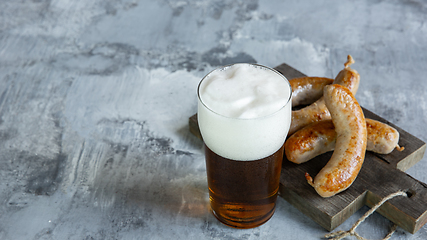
(244, 223)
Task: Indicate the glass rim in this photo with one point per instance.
(254, 64)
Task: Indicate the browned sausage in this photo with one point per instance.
(319, 137)
(349, 154)
(306, 90)
(310, 141)
(317, 111)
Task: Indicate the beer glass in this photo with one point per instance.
(244, 124)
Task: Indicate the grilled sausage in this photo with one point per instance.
(319, 137)
(317, 111)
(306, 90)
(349, 154)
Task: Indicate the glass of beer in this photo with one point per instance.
(244, 114)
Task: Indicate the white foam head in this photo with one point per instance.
(244, 111)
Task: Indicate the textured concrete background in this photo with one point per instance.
(95, 97)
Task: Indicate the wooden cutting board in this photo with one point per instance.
(380, 176)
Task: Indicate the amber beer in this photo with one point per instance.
(244, 114)
(243, 193)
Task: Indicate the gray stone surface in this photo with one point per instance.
(95, 97)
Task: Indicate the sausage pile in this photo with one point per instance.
(334, 121)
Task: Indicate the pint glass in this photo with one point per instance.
(244, 114)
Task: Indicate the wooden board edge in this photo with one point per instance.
(348, 211)
(412, 159)
(288, 71)
(194, 126)
(321, 218)
(398, 217)
(420, 222)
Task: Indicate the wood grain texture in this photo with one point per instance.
(380, 176)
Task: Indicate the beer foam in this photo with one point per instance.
(244, 91)
(244, 111)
